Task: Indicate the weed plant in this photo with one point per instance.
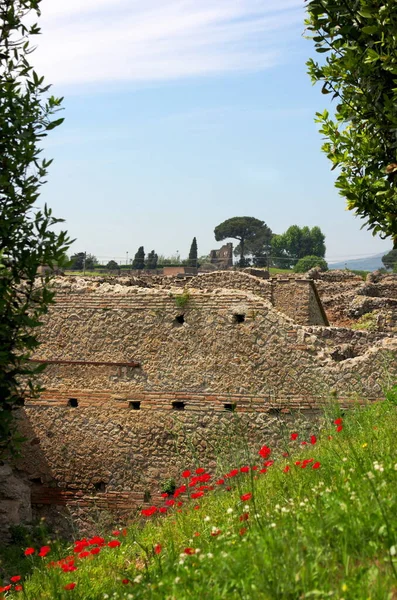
(314, 521)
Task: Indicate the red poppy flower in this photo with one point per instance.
(339, 428)
(285, 454)
(5, 589)
(79, 545)
(196, 534)
(179, 504)
(96, 541)
(244, 517)
(286, 469)
(18, 588)
(124, 532)
(84, 554)
(15, 578)
(303, 443)
(313, 439)
(294, 436)
(29, 551)
(264, 452)
(243, 531)
(68, 567)
(170, 502)
(95, 551)
(246, 497)
(199, 471)
(125, 581)
(44, 551)
(158, 548)
(254, 468)
(189, 551)
(197, 507)
(69, 586)
(263, 471)
(244, 469)
(228, 488)
(179, 491)
(316, 465)
(197, 495)
(306, 462)
(268, 463)
(164, 495)
(116, 532)
(298, 462)
(114, 544)
(148, 512)
(220, 482)
(186, 473)
(232, 473)
(338, 421)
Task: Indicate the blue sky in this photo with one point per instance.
(180, 114)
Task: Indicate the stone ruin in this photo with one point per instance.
(143, 375)
(222, 258)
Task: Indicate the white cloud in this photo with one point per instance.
(100, 41)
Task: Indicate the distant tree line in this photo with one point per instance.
(259, 246)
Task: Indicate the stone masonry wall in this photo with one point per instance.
(295, 297)
(107, 434)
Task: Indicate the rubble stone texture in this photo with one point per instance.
(219, 368)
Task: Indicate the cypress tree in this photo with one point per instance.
(152, 259)
(192, 261)
(139, 259)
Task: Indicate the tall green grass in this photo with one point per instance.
(328, 530)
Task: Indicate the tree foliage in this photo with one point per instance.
(139, 259)
(151, 262)
(309, 262)
(296, 243)
(192, 260)
(359, 41)
(27, 239)
(250, 232)
(390, 259)
(112, 265)
(82, 261)
(259, 248)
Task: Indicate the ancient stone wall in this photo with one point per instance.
(295, 297)
(142, 382)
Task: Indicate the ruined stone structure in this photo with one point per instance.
(142, 382)
(222, 258)
(346, 298)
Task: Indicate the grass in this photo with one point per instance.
(324, 531)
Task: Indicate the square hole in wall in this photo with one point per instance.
(134, 405)
(229, 406)
(73, 402)
(100, 486)
(239, 317)
(274, 411)
(178, 405)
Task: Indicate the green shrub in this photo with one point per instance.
(309, 262)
